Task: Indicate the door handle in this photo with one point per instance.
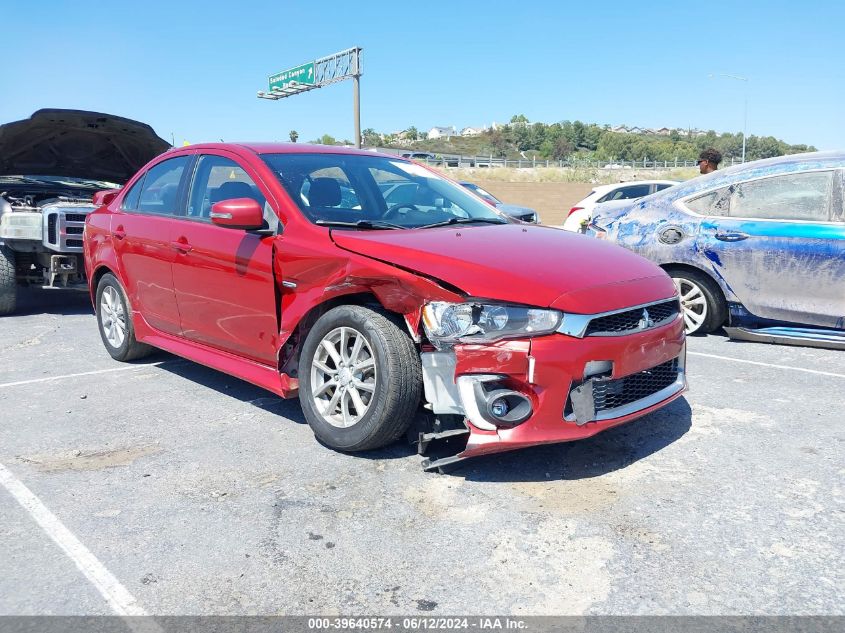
(182, 245)
(119, 233)
(731, 236)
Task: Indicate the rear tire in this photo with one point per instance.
(705, 309)
(114, 319)
(8, 283)
(360, 379)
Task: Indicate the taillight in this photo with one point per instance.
(573, 210)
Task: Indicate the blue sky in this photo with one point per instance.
(192, 69)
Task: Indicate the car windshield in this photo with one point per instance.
(375, 192)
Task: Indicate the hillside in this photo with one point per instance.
(576, 140)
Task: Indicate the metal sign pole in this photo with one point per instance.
(356, 97)
(317, 74)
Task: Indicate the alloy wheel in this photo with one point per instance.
(112, 317)
(343, 377)
(693, 304)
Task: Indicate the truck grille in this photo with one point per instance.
(611, 394)
(65, 224)
(634, 320)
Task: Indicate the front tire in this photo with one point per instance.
(8, 283)
(360, 379)
(702, 303)
(114, 319)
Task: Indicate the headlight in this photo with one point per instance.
(449, 323)
(21, 225)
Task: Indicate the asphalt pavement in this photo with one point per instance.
(164, 487)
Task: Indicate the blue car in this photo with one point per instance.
(758, 248)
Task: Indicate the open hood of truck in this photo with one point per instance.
(531, 265)
(77, 144)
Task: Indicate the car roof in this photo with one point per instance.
(756, 169)
(617, 185)
(288, 148)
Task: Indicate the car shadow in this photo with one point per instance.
(232, 387)
(606, 452)
(64, 301)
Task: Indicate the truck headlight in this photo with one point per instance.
(449, 323)
(21, 225)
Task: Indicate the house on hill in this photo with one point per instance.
(442, 132)
(472, 131)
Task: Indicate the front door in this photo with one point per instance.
(223, 277)
(779, 247)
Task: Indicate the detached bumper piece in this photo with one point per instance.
(605, 398)
(801, 337)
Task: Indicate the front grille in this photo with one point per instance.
(75, 217)
(74, 230)
(51, 228)
(634, 320)
(611, 394)
(74, 243)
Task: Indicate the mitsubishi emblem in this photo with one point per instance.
(646, 322)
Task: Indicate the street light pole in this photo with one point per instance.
(745, 110)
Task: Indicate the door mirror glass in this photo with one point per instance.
(238, 213)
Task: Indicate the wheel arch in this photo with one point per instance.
(292, 347)
(684, 266)
(718, 283)
(98, 273)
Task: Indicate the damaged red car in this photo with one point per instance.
(390, 299)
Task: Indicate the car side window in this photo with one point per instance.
(130, 200)
(160, 191)
(632, 192)
(712, 203)
(217, 178)
(797, 196)
(661, 187)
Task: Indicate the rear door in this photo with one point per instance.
(779, 244)
(223, 277)
(141, 231)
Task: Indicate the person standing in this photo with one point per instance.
(708, 160)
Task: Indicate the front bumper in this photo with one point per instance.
(576, 387)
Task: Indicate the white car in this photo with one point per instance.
(581, 213)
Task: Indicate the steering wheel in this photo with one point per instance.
(394, 211)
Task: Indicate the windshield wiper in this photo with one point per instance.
(360, 224)
(462, 221)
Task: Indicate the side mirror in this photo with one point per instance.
(102, 198)
(238, 213)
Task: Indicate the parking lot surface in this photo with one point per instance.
(176, 489)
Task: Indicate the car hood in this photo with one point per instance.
(77, 144)
(532, 265)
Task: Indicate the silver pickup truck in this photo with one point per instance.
(51, 165)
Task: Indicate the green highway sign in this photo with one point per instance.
(303, 74)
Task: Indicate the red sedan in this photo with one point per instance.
(384, 295)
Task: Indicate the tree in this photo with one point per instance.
(370, 137)
(327, 139)
(519, 118)
(412, 134)
(293, 136)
